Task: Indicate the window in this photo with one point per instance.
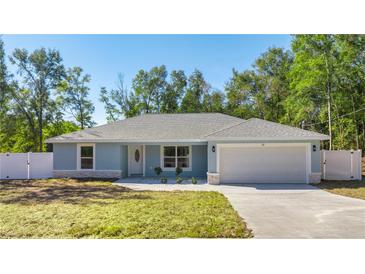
(86, 153)
(176, 156)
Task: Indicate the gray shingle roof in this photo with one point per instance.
(186, 127)
(154, 127)
(257, 129)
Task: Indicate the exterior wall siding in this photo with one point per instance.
(114, 157)
(124, 160)
(315, 155)
(64, 156)
(199, 162)
(108, 156)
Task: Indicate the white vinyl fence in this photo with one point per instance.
(26, 165)
(341, 164)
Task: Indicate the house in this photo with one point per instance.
(221, 148)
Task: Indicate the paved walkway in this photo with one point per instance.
(282, 210)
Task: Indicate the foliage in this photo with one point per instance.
(353, 189)
(149, 87)
(41, 72)
(179, 180)
(178, 171)
(194, 181)
(60, 208)
(197, 87)
(318, 84)
(73, 93)
(6, 124)
(163, 180)
(158, 170)
(30, 110)
(175, 90)
(119, 102)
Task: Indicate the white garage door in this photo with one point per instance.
(268, 163)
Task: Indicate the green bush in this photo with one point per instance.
(194, 181)
(158, 170)
(179, 180)
(163, 180)
(178, 171)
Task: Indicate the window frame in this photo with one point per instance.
(176, 157)
(79, 146)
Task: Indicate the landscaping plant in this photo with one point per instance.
(194, 181)
(179, 180)
(178, 171)
(158, 170)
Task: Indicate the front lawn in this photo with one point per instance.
(60, 208)
(354, 189)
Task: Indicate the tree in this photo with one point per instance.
(41, 71)
(149, 86)
(261, 92)
(272, 69)
(175, 89)
(245, 96)
(73, 93)
(4, 99)
(213, 102)
(313, 77)
(197, 87)
(350, 120)
(119, 102)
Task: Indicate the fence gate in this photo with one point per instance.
(26, 165)
(341, 164)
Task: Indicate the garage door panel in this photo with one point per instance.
(263, 164)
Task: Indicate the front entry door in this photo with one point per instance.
(136, 159)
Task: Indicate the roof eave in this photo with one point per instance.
(55, 141)
(321, 138)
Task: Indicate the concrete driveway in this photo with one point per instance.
(286, 211)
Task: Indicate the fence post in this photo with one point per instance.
(324, 164)
(28, 165)
(359, 165)
(352, 164)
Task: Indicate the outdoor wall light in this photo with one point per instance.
(314, 148)
(213, 148)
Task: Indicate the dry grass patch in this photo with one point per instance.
(354, 189)
(60, 208)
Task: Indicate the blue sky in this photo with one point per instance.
(104, 56)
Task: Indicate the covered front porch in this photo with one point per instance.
(142, 160)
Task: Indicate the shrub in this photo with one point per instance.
(163, 180)
(179, 180)
(194, 181)
(158, 170)
(178, 171)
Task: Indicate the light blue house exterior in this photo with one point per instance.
(211, 146)
(112, 158)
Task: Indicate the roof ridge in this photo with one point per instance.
(225, 128)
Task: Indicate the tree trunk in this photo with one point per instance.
(40, 125)
(40, 134)
(329, 107)
(356, 129)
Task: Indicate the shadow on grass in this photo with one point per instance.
(330, 185)
(27, 192)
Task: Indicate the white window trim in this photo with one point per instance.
(174, 168)
(79, 155)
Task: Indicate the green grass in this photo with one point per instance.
(60, 208)
(354, 189)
